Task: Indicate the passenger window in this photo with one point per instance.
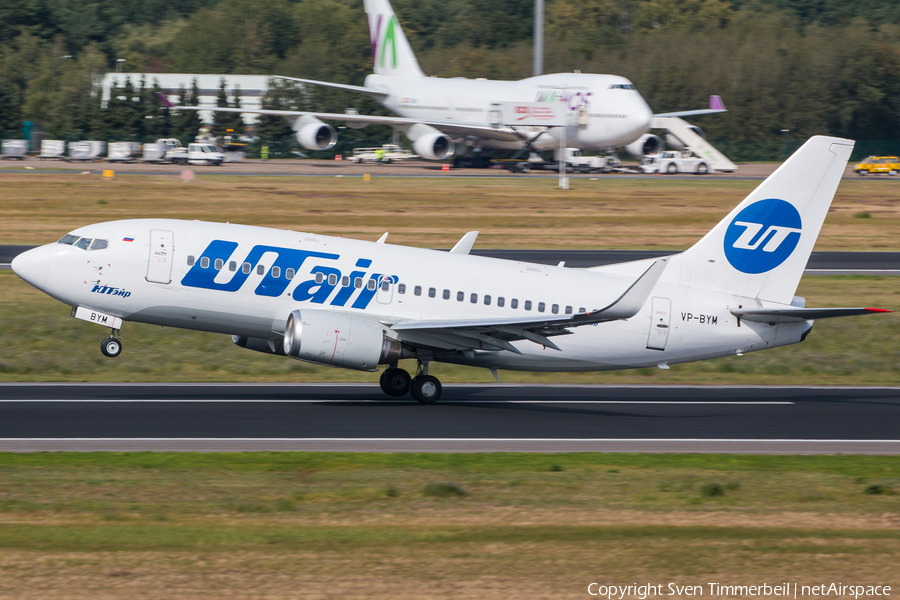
(432, 292)
(528, 305)
(232, 266)
(555, 309)
(204, 262)
(417, 290)
(245, 268)
(501, 301)
(401, 289)
(446, 294)
(371, 284)
(487, 299)
(568, 310)
(357, 283)
(260, 270)
(320, 277)
(514, 303)
(385, 285)
(473, 298)
(332, 279)
(190, 261)
(99, 245)
(219, 264)
(276, 272)
(345, 281)
(289, 274)
(540, 307)
(581, 311)
(460, 296)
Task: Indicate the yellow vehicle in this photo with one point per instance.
(878, 164)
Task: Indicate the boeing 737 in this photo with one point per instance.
(356, 304)
(439, 114)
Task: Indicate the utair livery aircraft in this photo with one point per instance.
(437, 114)
(355, 304)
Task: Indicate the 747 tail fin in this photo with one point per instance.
(390, 49)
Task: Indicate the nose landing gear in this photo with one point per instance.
(112, 346)
(423, 387)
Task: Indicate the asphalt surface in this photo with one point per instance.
(820, 263)
(468, 418)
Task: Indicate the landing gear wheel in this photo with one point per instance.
(395, 382)
(426, 389)
(702, 169)
(672, 169)
(111, 347)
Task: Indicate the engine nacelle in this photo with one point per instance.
(313, 134)
(677, 144)
(429, 143)
(258, 344)
(337, 340)
(644, 145)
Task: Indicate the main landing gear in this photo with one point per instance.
(112, 346)
(423, 387)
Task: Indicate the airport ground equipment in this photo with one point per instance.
(688, 135)
(874, 165)
(14, 149)
(158, 151)
(671, 163)
(386, 154)
(86, 151)
(123, 152)
(52, 150)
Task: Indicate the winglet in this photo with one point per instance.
(383, 238)
(164, 100)
(464, 245)
(715, 103)
(633, 299)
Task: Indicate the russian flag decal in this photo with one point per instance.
(128, 239)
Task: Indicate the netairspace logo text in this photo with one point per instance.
(781, 590)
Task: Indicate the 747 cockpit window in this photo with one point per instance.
(622, 86)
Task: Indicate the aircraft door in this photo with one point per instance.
(660, 311)
(159, 267)
(385, 290)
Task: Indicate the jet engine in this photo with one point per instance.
(644, 145)
(258, 344)
(337, 340)
(677, 144)
(313, 134)
(429, 143)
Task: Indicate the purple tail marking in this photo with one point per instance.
(715, 103)
(374, 35)
(165, 100)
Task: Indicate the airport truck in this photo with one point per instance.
(386, 154)
(873, 165)
(576, 162)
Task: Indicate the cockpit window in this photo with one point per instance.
(84, 243)
(68, 239)
(622, 86)
(99, 245)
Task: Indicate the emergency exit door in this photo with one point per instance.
(661, 309)
(159, 269)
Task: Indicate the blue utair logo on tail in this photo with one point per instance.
(762, 236)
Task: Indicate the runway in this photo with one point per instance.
(468, 418)
(820, 263)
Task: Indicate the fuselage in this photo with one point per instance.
(611, 110)
(245, 281)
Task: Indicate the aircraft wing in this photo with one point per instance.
(499, 332)
(455, 129)
(715, 106)
(795, 315)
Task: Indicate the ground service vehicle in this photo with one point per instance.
(873, 165)
(387, 154)
(675, 162)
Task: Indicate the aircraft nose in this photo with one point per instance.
(32, 267)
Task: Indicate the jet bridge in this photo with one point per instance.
(681, 129)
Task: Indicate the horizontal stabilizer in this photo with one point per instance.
(794, 315)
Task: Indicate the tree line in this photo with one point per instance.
(806, 66)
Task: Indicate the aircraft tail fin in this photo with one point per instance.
(391, 51)
(761, 248)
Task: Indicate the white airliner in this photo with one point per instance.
(356, 304)
(436, 114)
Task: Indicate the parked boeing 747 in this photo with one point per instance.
(356, 304)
